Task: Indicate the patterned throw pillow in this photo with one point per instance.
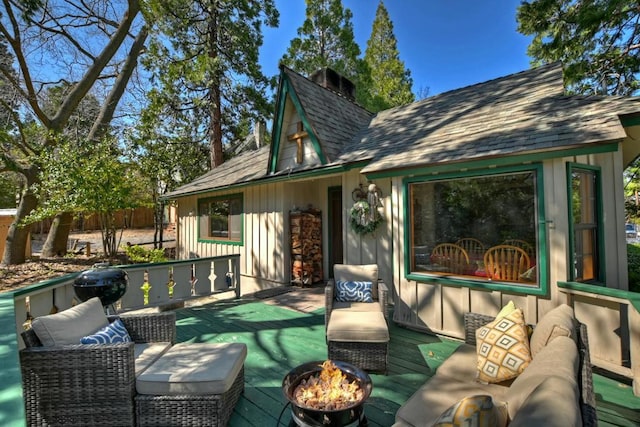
(113, 333)
(474, 411)
(353, 291)
(503, 348)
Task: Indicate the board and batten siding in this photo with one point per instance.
(438, 308)
(376, 248)
(262, 258)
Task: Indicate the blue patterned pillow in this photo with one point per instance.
(353, 291)
(113, 333)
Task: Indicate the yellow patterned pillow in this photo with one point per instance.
(474, 411)
(506, 310)
(503, 348)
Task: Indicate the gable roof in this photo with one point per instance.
(520, 114)
(334, 119)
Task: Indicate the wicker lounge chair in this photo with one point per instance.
(90, 384)
(357, 332)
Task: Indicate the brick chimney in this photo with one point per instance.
(330, 79)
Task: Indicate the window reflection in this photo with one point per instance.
(457, 226)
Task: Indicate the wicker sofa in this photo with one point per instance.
(357, 331)
(91, 384)
(555, 389)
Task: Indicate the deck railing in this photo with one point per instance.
(612, 317)
(149, 285)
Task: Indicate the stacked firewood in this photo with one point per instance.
(306, 247)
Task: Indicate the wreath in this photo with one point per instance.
(363, 218)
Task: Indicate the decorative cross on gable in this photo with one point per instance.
(298, 138)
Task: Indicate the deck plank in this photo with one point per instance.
(279, 339)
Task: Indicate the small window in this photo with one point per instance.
(221, 219)
(585, 225)
(482, 228)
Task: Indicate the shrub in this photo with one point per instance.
(633, 263)
(138, 254)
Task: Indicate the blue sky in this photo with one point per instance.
(447, 44)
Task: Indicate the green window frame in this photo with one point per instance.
(452, 199)
(221, 219)
(586, 255)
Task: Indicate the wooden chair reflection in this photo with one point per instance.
(522, 244)
(506, 262)
(451, 256)
(473, 247)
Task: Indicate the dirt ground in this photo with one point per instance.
(37, 269)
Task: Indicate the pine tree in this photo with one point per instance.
(325, 39)
(204, 60)
(598, 42)
(389, 83)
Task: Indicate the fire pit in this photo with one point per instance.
(329, 393)
(107, 283)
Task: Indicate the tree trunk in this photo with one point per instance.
(215, 111)
(17, 236)
(58, 237)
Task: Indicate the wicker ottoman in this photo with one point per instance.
(360, 338)
(191, 385)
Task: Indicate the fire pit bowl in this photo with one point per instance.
(333, 418)
(107, 283)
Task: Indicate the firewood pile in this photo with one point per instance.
(306, 247)
(329, 390)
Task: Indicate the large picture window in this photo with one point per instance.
(483, 228)
(220, 218)
(583, 197)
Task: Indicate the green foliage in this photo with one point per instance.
(633, 265)
(325, 39)
(138, 254)
(206, 82)
(389, 83)
(88, 177)
(597, 41)
(9, 187)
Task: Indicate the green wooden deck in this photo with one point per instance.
(280, 338)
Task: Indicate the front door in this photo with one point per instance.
(335, 228)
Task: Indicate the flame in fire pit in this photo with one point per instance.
(329, 390)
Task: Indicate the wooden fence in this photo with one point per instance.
(136, 218)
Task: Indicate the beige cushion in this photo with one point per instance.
(557, 322)
(503, 348)
(356, 306)
(553, 403)
(68, 326)
(474, 411)
(365, 326)
(560, 359)
(426, 405)
(462, 365)
(365, 273)
(146, 353)
(193, 369)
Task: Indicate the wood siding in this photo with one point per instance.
(437, 307)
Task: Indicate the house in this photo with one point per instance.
(509, 161)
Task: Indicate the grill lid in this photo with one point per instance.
(102, 281)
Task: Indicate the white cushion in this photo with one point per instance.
(193, 369)
(148, 352)
(69, 326)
